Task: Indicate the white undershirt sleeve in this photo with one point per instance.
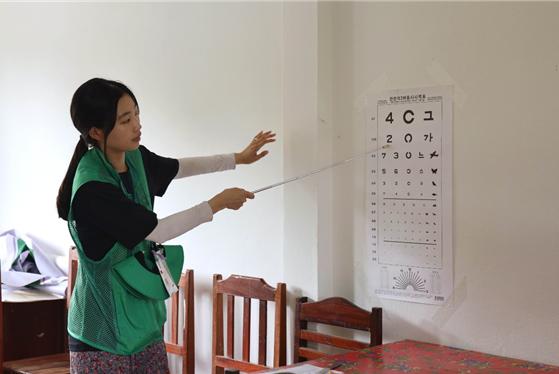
(177, 224)
(190, 166)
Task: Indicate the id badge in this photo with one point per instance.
(161, 263)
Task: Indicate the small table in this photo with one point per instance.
(419, 357)
(33, 328)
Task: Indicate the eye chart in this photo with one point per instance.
(409, 194)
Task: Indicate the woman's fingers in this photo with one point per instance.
(237, 197)
(261, 154)
(263, 141)
(258, 143)
(263, 135)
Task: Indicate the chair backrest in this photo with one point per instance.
(248, 288)
(334, 311)
(186, 304)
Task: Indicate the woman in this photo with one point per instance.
(107, 198)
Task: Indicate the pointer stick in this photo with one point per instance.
(318, 170)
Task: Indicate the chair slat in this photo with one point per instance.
(174, 318)
(174, 349)
(236, 364)
(311, 354)
(188, 362)
(230, 326)
(263, 332)
(217, 325)
(242, 286)
(299, 325)
(246, 329)
(376, 326)
(334, 341)
(336, 311)
(280, 337)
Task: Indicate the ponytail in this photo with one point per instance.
(65, 190)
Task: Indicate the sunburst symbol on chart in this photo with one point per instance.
(408, 279)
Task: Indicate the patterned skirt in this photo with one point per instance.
(152, 360)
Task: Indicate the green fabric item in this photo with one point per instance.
(22, 246)
(104, 313)
(141, 281)
(28, 265)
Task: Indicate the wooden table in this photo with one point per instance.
(33, 328)
(33, 334)
(419, 357)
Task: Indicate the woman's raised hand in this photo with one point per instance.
(231, 198)
(234, 198)
(250, 153)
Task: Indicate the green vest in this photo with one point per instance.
(104, 312)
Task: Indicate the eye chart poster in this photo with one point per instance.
(409, 194)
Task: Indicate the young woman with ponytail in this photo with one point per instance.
(107, 198)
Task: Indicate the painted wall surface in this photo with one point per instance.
(502, 59)
(210, 75)
(301, 143)
(207, 77)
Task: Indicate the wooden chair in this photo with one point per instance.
(334, 311)
(186, 350)
(248, 288)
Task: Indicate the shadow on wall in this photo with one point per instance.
(429, 330)
(426, 331)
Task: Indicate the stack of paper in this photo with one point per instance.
(52, 279)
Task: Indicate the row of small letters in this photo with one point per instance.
(409, 116)
(408, 171)
(409, 155)
(408, 137)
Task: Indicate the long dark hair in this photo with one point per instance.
(94, 104)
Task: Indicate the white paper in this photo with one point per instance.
(51, 264)
(58, 290)
(409, 194)
(19, 278)
(7, 251)
(26, 295)
(46, 257)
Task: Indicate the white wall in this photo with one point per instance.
(207, 77)
(502, 59)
